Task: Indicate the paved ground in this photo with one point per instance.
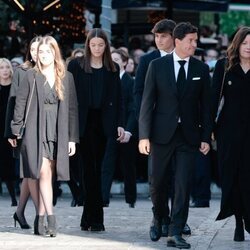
(126, 228)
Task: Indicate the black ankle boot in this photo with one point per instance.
(239, 234)
(51, 230)
(39, 227)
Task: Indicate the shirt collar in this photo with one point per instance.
(122, 73)
(177, 58)
(163, 53)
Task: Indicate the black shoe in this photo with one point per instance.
(177, 241)
(22, 222)
(239, 234)
(164, 228)
(13, 202)
(186, 230)
(73, 203)
(199, 204)
(97, 228)
(155, 231)
(131, 205)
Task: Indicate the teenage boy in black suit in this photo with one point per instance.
(175, 121)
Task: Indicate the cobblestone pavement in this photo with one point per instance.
(126, 228)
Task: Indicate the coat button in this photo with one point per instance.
(110, 104)
(229, 82)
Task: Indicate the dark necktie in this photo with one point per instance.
(181, 78)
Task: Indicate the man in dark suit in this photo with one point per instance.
(175, 121)
(127, 150)
(162, 31)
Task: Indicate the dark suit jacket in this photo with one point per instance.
(161, 106)
(112, 108)
(140, 77)
(130, 122)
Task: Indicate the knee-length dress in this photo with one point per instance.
(50, 122)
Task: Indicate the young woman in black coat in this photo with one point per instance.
(233, 131)
(29, 187)
(100, 117)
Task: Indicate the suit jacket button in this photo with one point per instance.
(110, 104)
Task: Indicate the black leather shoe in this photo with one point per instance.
(164, 228)
(186, 230)
(177, 241)
(155, 231)
(239, 234)
(199, 204)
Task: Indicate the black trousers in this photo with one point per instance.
(92, 149)
(108, 168)
(127, 162)
(184, 161)
(202, 178)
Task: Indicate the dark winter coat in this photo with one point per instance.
(233, 136)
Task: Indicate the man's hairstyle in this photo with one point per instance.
(164, 26)
(182, 29)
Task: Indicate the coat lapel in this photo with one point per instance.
(171, 74)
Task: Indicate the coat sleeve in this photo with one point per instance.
(20, 105)
(139, 84)
(131, 122)
(73, 112)
(206, 106)
(147, 105)
(11, 103)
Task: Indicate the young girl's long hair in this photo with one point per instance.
(107, 59)
(58, 63)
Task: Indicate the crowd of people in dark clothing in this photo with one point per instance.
(104, 113)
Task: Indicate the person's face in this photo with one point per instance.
(46, 55)
(5, 72)
(33, 50)
(130, 65)
(118, 59)
(244, 50)
(211, 55)
(97, 46)
(164, 41)
(186, 47)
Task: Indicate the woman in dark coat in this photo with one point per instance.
(29, 186)
(7, 164)
(100, 111)
(51, 129)
(233, 131)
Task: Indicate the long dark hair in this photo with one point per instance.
(107, 59)
(233, 53)
(29, 63)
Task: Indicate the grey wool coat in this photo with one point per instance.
(67, 124)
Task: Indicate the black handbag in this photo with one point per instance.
(22, 129)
